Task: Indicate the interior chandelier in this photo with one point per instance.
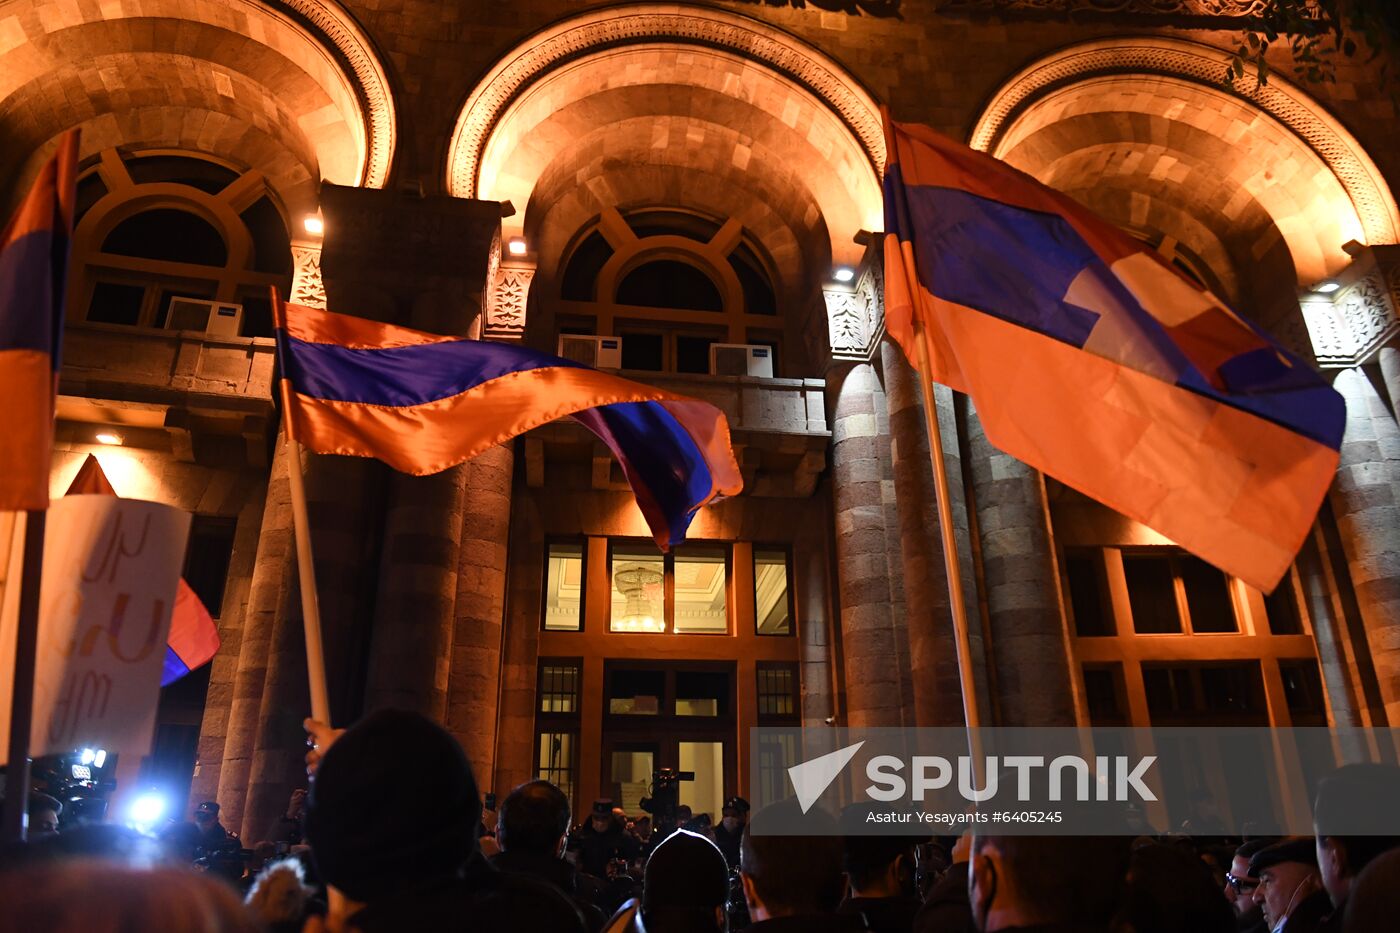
(631, 581)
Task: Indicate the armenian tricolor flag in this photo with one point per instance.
(194, 638)
(33, 270)
(422, 403)
(1090, 358)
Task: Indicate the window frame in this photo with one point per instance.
(668, 584)
(786, 548)
(582, 542)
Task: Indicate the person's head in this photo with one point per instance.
(279, 894)
(1025, 880)
(1348, 802)
(1170, 889)
(1287, 873)
(789, 875)
(207, 813)
(1240, 884)
(1374, 901)
(601, 816)
(685, 885)
(394, 803)
(684, 814)
(44, 812)
(534, 818)
(735, 814)
(77, 896)
(880, 866)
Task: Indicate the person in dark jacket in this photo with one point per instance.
(604, 839)
(734, 817)
(1348, 802)
(392, 822)
(1046, 884)
(1290, 887)
(793, 884)
(532, 828)
(684, 889)
(1240, 885)
(880, 871)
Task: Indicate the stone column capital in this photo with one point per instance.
(855, 310)
(1351, 315)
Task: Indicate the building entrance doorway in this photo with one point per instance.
(669, 714)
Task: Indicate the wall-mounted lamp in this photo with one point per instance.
(843, 274)
(109, 437)
(516, 246)
(1326, 287)
(314, 225)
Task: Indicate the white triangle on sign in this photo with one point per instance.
(811, 778)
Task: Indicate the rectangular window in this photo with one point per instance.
(1152, 594)
(777, 692)
(556, 754)
(704, 794)
(1088, 594)
(1302, 691)
(643, 351)
(638, 590)
(559, 683)
(1207, 596)
(700, 591)
(1282, 609)
(772, 595)
(702, 693)
(563, 590)
(1221, 693)
(207, 559)
(636, 692)
(116, 303)
(1103, 691)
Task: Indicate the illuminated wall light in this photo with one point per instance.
(1326, 287)
(843, 274)
(109, 437)
(517, 246)
(314, 225)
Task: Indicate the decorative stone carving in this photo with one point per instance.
(651, 23)
(882, 8)
(855, 316)
(307, 287)
(1227, 9)
(1201, 64)
(1350, 325)
(510, 293)
(348, 42)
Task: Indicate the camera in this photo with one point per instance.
(665, 797)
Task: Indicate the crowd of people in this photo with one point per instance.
(392, 836)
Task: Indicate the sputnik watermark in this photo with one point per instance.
(1117, 777)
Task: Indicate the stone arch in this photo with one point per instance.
(1160, 89)
(1261, 184)
(674, 91)
(292, 88)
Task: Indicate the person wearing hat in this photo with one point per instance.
(186, 842)
(685, 887)
(603, 839)
(1290, 889)
(730, 830)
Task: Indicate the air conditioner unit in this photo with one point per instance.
(741, 359)
(598, 352)
(211, 317)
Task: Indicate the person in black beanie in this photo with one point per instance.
(684, 889)
(392, 822)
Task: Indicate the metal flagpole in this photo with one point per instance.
(971, 713)
(310, 604)
(22, 699)
(306, 568)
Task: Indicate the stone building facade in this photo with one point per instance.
(686, 176)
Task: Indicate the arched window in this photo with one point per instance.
(154, 227)
(672, 284)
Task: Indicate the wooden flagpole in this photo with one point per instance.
(22, 698)
(971, 713)
(306, 568)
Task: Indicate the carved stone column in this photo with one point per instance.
(1353, 323)
(1028, 647)
(875, 639)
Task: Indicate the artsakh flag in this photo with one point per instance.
(422, 403)
(34, 249)
(194, 639)
(1091, 359)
